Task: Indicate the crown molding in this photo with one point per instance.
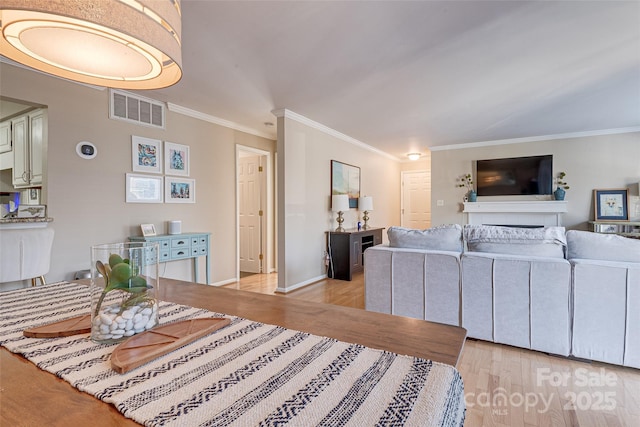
(537, 138)
(175, 108)
(283, 112)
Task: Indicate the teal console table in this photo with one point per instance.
(174, 247)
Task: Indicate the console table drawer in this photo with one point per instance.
(165, 255)
(199, 241)
(180, 243)
(180, 253)
(199, 251)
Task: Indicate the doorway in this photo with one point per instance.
(253, 207)
(416, 199)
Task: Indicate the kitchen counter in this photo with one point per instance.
(13, 223)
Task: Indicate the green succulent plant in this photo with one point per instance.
(119, 275)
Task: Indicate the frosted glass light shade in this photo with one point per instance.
(126, 44)
(340, 203)
(365, 203)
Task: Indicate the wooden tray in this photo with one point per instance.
(151, 344)
(63, 328)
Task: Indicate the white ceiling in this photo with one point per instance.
(406, 76)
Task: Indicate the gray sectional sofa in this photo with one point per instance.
(572, 294)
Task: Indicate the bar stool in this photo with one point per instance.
(25, 253)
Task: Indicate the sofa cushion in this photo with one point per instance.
(542, 242)
(441, 238)
(598, 246)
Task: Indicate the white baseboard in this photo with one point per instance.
(223, 282)
(300, 285)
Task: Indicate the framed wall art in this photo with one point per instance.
(179, 190)
(176, 159)
(345, 179)
(146, 154)
(143, 188)
(611, 205)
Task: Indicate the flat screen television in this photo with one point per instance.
(515, 176)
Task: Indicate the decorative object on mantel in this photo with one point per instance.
(467, 182)
(611, 205)
(340, 204)
(365, 204)
(561, 187)
(124, 280)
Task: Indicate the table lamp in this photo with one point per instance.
(365, 204)
(340, 204)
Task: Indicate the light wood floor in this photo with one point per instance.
(507, 386)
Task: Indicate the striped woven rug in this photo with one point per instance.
(246, 374)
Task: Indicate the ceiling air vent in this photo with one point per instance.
(136, 109)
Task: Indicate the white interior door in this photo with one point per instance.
(416, 199)
(250, 212)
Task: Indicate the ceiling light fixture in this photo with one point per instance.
(414, 156)
(126, 44)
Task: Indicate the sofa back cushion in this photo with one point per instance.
(541, 242)
(441, 238)
(606, 247)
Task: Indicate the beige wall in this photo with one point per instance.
(608, 161)
(86, 198)
(304, 188)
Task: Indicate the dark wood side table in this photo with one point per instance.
(346, 250)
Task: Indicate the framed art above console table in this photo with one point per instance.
(174, 247)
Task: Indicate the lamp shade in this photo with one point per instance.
(339, 203)
(365, 203)
(132, 44)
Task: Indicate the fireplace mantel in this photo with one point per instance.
(522, 212)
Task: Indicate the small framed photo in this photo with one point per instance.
(179, 190)
(32, 211)
(611, 205)
(176, 159)
(146, 154)
(34, 195)
(143, 188)
(148, 230)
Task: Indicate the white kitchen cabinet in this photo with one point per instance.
(28, 148)
(37, 121)
(5, 136)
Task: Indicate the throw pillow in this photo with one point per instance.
(543, 241)
(441, 238)
(599, 246)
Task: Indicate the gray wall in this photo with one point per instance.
(595, 162)
(86, 198)
(304, 188)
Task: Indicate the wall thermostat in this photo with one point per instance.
(86, 150)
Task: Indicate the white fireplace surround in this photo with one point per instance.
(522, 212)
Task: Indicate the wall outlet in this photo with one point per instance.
(440, 203)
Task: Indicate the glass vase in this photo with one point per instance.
(124, 286)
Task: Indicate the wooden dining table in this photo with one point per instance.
(30, 396)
